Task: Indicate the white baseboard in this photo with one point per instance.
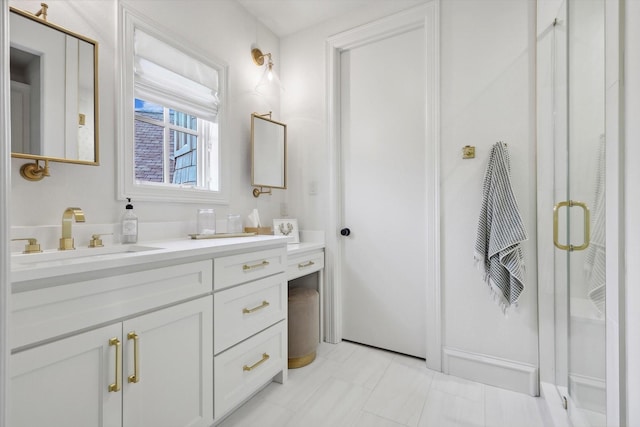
(503, 373)
(589, 393)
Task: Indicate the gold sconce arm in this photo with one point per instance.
(42, 13)
(258, 56)
(33, 171)
(31, 247)
(258, 191)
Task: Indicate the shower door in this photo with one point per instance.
(578, 221)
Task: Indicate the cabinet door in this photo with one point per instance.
(174, 385)
(65, 383)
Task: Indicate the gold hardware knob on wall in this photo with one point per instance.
(468, 152)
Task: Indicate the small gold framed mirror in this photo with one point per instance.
(268, 154)
(54, 92)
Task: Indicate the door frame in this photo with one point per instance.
(5, 195)
(424, 16)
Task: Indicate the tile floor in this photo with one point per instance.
(358, 386)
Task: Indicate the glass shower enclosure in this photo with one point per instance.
(574, 46)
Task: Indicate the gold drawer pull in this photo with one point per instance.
(265, 357)
(260, 307)
(251, 267)
(116, 386)
(308, 264)
(135, 378)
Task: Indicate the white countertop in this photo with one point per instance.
(294, 249)
(54, 263)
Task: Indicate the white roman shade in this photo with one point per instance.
(173, 78)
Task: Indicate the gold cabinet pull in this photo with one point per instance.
(260, 307)
(117, 385)
(251, 267)
(135, 378)
(305, 265)
(265, 357)
(587, 226)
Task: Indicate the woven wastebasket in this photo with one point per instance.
(303, 326)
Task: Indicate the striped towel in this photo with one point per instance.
(500, 232)
(594, 262)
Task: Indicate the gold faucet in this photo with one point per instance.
(66, 241)
(32, 247)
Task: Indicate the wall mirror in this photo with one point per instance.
(54, 91)
(268, 154)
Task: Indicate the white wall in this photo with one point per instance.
(488, 79)
(221, 28)
(487, 93)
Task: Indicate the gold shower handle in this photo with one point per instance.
(587, 225)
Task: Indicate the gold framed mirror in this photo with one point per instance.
(54, 92)
(268, 154)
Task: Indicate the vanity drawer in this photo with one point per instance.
(245, 310)
(243, 369)
(299, 266)
(235, 269)
(46, 313)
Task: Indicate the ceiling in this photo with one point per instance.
(286, 17)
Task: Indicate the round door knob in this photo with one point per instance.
(345, 232)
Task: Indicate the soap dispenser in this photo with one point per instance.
(129, 224)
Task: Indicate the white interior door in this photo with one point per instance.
(383, 126)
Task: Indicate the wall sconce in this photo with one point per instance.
(269, 77)
(33, 171)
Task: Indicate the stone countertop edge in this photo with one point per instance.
(168, 250)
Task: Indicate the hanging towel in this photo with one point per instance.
(500, 232)
(594, 263)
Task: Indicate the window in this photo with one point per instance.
(171, 146)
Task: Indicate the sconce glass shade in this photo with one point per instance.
(269, 81)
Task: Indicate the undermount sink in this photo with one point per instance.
(56, 257)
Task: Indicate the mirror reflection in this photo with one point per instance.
(268, 152)
(53, 92)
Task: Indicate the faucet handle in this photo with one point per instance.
(32, 246)
(96, 241)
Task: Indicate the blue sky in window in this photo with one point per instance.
(141, 105)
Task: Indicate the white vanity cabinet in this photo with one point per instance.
(173, 337)
(250, 331)
(64, 383)
(150, 366)
(87, 379)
